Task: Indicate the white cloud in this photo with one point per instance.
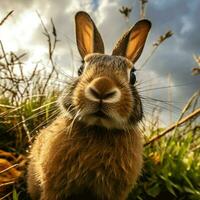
(18, 30)
(187, 25)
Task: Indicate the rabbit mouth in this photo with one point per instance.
(100, 114)
(101, 118)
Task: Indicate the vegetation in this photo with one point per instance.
(171, 166)
(28, 102)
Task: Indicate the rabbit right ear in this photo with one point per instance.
(87, 36)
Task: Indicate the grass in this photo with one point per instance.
(171, 168)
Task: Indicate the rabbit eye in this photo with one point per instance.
(80, 70)
(132, 76)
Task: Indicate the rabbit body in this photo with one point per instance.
(93, 150)
(86, 163)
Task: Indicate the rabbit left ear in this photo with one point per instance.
(132, 42)
(87, 36)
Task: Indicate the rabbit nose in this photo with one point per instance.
(103, 89)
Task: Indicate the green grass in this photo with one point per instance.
(171, 169)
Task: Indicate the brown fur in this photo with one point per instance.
(65, 163)
(93, 150)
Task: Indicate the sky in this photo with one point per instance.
(171, 63)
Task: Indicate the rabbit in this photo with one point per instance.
(93, 150)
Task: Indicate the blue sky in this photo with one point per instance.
(174, 58)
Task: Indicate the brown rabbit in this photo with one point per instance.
(94, 149)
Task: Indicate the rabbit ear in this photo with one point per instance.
(87, 36)
(133, 41)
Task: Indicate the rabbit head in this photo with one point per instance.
(104, 93)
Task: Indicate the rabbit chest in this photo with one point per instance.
(91, 158)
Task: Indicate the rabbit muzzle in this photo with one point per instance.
(102, 90)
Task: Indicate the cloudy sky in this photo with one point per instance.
(173, 60)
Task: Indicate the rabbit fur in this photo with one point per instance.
(93, 150)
